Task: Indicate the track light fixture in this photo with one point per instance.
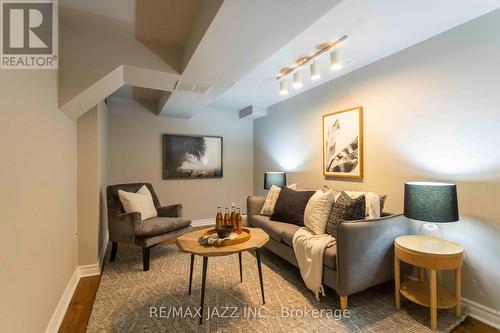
(283, 86)
(314, 73)
(296, 82)
(314, 70)
(335, 63)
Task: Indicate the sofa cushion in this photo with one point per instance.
(288, 232)
(330, 257)
(279, 231)
(290, 206)
(160, 225)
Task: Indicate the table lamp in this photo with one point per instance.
(432, 203)
(274, 178)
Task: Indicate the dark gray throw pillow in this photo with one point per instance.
(290, 206)
(345, 208)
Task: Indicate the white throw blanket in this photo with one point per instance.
(309, 249)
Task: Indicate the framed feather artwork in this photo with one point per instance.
(343, 144)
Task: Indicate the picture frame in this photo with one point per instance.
(192, 156)
(342, 143)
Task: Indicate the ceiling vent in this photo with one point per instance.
(197, 88)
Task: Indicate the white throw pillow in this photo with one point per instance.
(317, 211)
(141, 202)
(272, 197)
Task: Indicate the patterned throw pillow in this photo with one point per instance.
(347, 209)
(270, 202)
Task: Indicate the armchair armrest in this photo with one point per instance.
(254, 206)
(170, 211)
(122, 227)
(365, 252)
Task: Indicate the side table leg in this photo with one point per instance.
(433, 295)
(241, 270)
(203, 284)
(191, 273)
(458, 291)
(397, 282)
(260, 275)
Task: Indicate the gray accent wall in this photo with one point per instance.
(431, 112)
(135, 155)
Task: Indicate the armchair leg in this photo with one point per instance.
(114, 247)
(343, 303)
(145, 258)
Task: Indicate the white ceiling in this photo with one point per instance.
(376, 29)
(123, 10)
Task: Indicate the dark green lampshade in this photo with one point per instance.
(274, 178)
(431, 202)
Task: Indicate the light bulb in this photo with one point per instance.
(314, 71)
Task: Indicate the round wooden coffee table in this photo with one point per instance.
(189, 243)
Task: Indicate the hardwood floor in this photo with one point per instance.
(78, 314)
(79, 309)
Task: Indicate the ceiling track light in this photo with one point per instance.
(335, 63)
(283, 86)
(313, 68)
(296, 82)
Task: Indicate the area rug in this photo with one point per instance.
(130, 300)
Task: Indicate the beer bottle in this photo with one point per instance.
(227, 221)
(218, 218)
(233, 218)
(239, 221)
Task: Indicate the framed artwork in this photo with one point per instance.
(192, 157)
(343, 144)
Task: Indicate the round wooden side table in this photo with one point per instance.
(434, 254)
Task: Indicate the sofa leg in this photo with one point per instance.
(145, 258)
(343, 303)
(114, 247)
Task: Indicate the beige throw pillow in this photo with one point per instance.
(272, 197)
(141, 202)
(317, 211)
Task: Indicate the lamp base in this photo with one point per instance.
(430, 229)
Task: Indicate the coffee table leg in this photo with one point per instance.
(203, 284)
(191, 273)
(241, 270)
(260, 275)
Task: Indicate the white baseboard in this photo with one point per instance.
(483, 313)
(62, 306)
(477, 311)
(80, 271)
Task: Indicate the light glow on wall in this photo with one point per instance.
(457, 150)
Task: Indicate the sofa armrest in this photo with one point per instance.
(365, 252)
(254, 206)
(170, 211)
(122, 227)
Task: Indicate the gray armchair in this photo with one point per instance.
(129, 229)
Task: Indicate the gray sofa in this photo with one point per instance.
(363, 256)
(129, 229)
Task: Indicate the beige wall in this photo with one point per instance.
(135, 155)
(92, 168)
(431, 112)
(38, 200)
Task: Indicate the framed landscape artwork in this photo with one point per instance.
(192, 157)
(343, 144)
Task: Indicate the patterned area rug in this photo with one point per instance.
(130, 300)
